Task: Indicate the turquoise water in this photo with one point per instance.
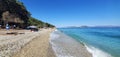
(104, 39)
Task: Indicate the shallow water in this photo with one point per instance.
(101, 42)
(65, 46)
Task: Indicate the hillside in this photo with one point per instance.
(38, 23)
(13, 12)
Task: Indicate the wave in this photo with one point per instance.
(97, 52)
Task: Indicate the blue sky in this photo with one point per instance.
(63, 13)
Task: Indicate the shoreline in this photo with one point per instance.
(65, 46)
(41, 45)
(94, 42)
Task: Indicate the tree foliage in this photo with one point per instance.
(15, 11)
(38, 23)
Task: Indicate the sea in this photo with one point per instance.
(99, 41)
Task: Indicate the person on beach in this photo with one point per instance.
(14, 26)
(7, 27)
(0, 26)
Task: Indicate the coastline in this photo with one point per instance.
(94, 39)
(40, 44)
(65, 46)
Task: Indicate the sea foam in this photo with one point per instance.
(97, 52)
(56, 48)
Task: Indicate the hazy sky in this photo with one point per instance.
(75, 12)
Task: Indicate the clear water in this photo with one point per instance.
(65, 46)
(106, 40)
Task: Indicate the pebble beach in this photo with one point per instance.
(27, 44)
